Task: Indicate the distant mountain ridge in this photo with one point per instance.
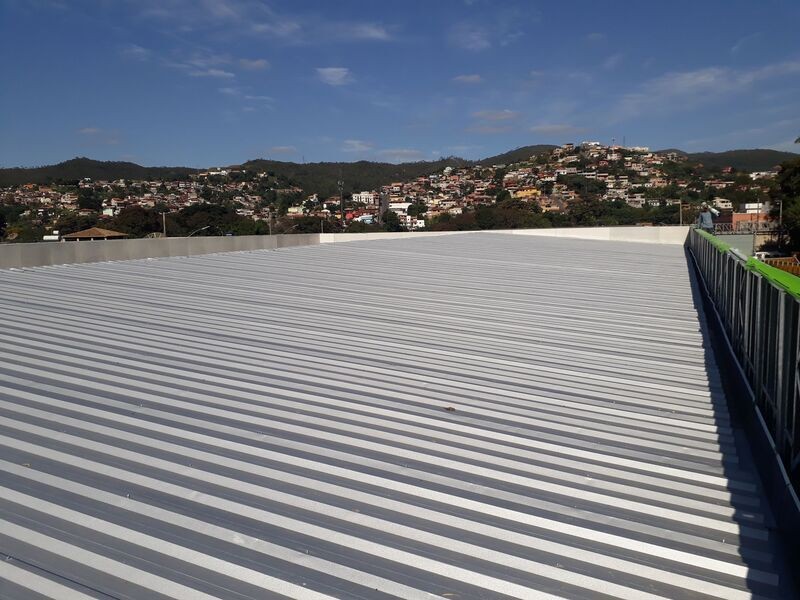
(517, 155)
(80, 167)
(756, 159)
(321, 177)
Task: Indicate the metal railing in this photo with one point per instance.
(760, 310)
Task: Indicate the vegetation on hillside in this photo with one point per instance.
(743, 160)
(321, 178)
(81, 167)
(517, 155)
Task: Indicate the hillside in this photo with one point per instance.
(78, 168)
(744, 160)
(518, 155)
(363, 175)
(757, 159)
(321, 177)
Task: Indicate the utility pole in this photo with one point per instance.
(269, 220)
(164, 223)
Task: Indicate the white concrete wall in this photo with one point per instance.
(59, 253)
(332, 238)
(649, 235)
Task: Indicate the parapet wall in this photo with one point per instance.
(335, 238)
(648, 235)
(60, 253)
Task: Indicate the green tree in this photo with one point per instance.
(502, 195)
(25, 231)
(786, 192)
(89, 199)
(547, 187)
(11, 212)
(136, 221)
(586, 188)
(391, 222)
(360, 227)
(71, 222)
(417, 209)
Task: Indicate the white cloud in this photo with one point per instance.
(261, 19)
(612, 61)
(206, 60)
(742, 42)
(230, 91)
(463, 148)
(474, 78)
(596, 37)
(483, 128)
(194, 11)
(255, 64)
(556, 129)
(278, 28)
(397, 155)
(334, 75)
(469, 36)
(282, 150)
(259, 98)
(356, 146)
(99, 136)
(361, 31)
(212, 73)
(764, 135)
(690, 89)
(496, 115)
(222, 9)
(135, 52)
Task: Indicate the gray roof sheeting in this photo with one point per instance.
(277, 424)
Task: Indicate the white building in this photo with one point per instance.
(399, 207)
(754, 208)
(412, 223)
(365, 197)
(723, 204)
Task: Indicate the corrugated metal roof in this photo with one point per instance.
(475, 416)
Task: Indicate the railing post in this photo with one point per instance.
(779, 397)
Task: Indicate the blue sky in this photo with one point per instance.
(215, 82)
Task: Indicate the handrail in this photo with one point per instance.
(713, 240)
(789, 282)
(782, 279)
(759, 308)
